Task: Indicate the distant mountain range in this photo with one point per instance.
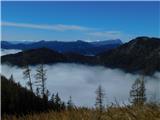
(79, 46)
(141, 54)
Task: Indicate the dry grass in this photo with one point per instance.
(112, 113)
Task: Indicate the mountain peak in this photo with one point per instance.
(143, 42)
(137, 54)
(80, 41)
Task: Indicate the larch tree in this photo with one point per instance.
(27, 75)
(41, 79)
(70, 104)
(11, 78)
(37, 91)
(100, 94)
(57, 102)
(138, 92)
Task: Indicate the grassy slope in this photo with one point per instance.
(119, 113)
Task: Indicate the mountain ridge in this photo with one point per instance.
(135, 55)
(79, 46)
(141, 54)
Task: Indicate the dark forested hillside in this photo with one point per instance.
(16, 99)
(140, 54)
(34, 56)
(46, 56)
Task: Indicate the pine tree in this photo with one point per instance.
(57, 102)
(37, 91)
(47, 93)
(27, 75)
(41, 78)
(137, 93)
(52, 98)
(100, 98)
(52, 101)
(11, 78)
(99, 102)
(57, 99)
(70, 104)
(63, 106)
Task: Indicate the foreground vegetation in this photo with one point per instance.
(18, 100)
(146, 112)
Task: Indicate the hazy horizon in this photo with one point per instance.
(12, 41)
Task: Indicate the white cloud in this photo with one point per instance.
(87, 33)
(9, 51)
(56, 27)
(106, 33)
(110, 35)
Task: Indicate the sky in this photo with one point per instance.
(89, 21)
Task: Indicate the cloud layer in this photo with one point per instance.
(9, 51)
(80, 82)
(64, 31)
(106, 33)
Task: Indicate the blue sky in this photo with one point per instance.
(88, 21)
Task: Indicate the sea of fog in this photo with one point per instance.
(81, 82)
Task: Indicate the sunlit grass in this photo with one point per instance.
(147, 112)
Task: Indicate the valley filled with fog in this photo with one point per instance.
(81, 82)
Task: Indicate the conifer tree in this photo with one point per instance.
(11, 78)
(57, 99)
(52, 98)
(100, 98)
(57, 102)
(41, 79)
(137, 93)
(27, 75)
(70, 104)
(99, 102)
(37, 91)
